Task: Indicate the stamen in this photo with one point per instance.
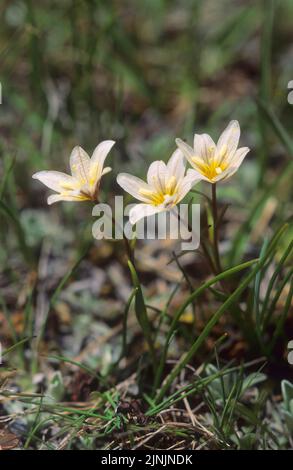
(202, 166)
(171, 184)
(169, 201)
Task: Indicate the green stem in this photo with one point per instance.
(128, 250)
(215, 228)
(203, 245)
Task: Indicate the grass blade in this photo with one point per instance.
(265, 80)
(242, 235)
(276, 125)
(18, 230)
(190, 300)
(274, 277)
(215, 318)
(141, 313)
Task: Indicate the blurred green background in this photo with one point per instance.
(141, 73)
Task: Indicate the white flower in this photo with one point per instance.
(166, 186)
(86, 173)
(215, 162)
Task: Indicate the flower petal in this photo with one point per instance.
(197, 175)
(204, 147)
(80, 164)
(62, 197)
(235, 163)
(187, 151)
(106, 170)
(228, 141)
(192, 177)
(239, 156)
(143, 210)
(176, 165)
(98, 159)
(56, 180)
(156, 176)
(132, 185)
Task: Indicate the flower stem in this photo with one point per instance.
(215, 228)
(128, 250)
(205, 250)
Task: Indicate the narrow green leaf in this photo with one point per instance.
(256, 289)
(276, 297)
(141, 313)
(273, 279)
(281, 321)
(276, 125)
(242, 235)
(7, 170)
(18, 231)
(188, 301)
(215, 318)
(265, 81)
(16, 345)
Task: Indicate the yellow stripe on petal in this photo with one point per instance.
(154, 198)
(70, 186)
(171, 185)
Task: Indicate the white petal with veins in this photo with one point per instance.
(80, 164)
(156, 176)
(63, 197)
(132, 185)
(187, 151)
(228, 141)
(176, 165)
(56, 180)
(204, 147)
(98, 159)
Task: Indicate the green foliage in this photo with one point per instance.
(287, 393)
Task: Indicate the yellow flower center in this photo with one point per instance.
(156, 198)
(210, 169)
(214, 164)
